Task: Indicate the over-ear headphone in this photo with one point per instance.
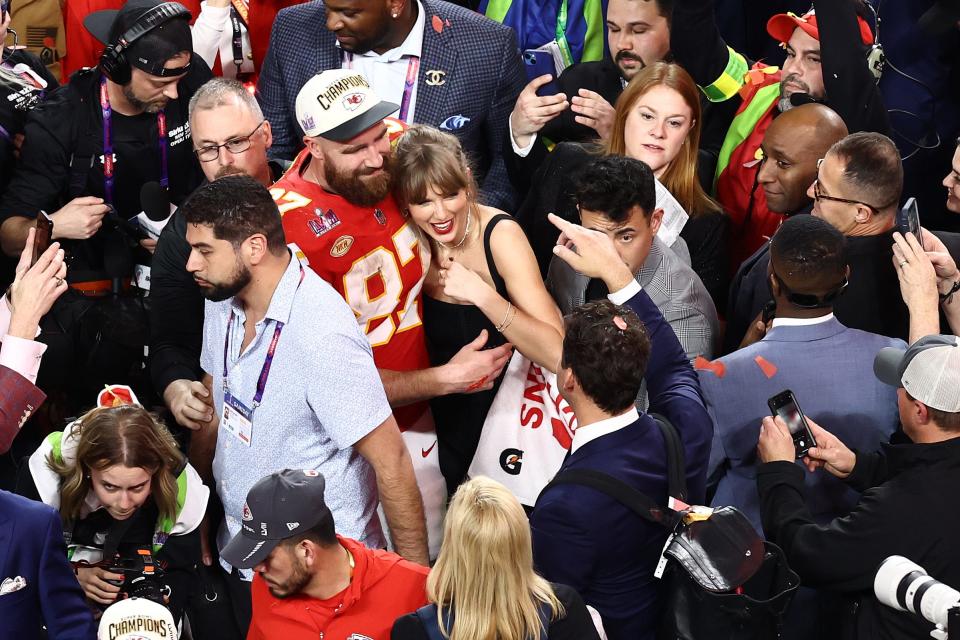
(113, 61)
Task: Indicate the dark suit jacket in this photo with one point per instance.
(584, 538)
(19, 398)
(483, 78)
(32, 548)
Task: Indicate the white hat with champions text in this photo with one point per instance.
(339, 104)
(137, 619)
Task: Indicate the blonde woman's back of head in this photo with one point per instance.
(485, 568)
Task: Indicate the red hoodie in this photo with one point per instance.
(384, 587)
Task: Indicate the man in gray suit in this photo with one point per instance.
(444, 66)
(616, 195)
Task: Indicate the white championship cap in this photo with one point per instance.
(137, 619)
(929, 370)
(339, 104)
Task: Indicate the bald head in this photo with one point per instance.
(793, 143)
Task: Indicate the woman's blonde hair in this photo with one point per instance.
(427, 157)
(485, 569)
(680, 178)
(128, 435)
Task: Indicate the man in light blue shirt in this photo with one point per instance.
(293, 379)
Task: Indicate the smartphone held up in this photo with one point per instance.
(784, 405)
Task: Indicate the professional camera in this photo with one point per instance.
(904, 585)
(142, 577)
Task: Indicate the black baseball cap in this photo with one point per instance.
(929, 370)
(152, 50)
(278, 507)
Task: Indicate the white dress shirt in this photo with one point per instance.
(18, 354)
(387, 72)
(800, 322)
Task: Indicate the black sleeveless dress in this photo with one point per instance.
(459, 417)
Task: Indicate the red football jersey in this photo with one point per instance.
(373, 256)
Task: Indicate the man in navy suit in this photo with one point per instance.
(37, 585)
(444, 65)
(582, 537)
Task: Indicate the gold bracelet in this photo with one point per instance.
(509, 322)
(503, 323)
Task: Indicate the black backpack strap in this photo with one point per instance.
(620, 491)
(83, 158)
(676, 461)
(636, 501)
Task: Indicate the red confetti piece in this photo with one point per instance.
(769, 369)
(717, 367)
(437, 24)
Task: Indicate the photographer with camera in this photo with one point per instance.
(902, 510)
(131, 505)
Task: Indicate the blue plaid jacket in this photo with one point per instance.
(483, 77)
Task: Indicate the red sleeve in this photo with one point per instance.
(20, 398)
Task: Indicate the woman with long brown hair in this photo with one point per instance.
(483, 286)
(126, 497)
(658, 120)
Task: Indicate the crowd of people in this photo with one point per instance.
(283, 274)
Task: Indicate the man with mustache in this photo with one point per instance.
(337, 208)
(638, 34)
(835, 32)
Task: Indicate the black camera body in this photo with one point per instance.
(142, 576)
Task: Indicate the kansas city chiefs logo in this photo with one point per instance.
(245, 513)
(352, 100)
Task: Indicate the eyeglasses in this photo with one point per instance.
(818, 194)
(234, 145)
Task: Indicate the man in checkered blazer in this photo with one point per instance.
(616, 195)
(456, 70)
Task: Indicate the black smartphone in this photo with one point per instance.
(769, 311)
(538, 63)
(908, 220)
(784, 404)
(41, 239)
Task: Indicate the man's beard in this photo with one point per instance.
(293, 586)
(354, 187)
(220, 292)
(785, 104)
(146, 107)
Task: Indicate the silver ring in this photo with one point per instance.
(902, 262)
(59, 280)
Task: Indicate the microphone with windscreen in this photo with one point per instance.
(155, 202)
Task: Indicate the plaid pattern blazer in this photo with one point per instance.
(672, 285)
(19, 398)
(482, 78)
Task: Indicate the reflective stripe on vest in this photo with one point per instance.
(730, 81)
(744, 123)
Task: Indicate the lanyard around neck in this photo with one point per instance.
(163, 144)
(413, 68)
(267, 361)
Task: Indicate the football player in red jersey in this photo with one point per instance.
(337, 208)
